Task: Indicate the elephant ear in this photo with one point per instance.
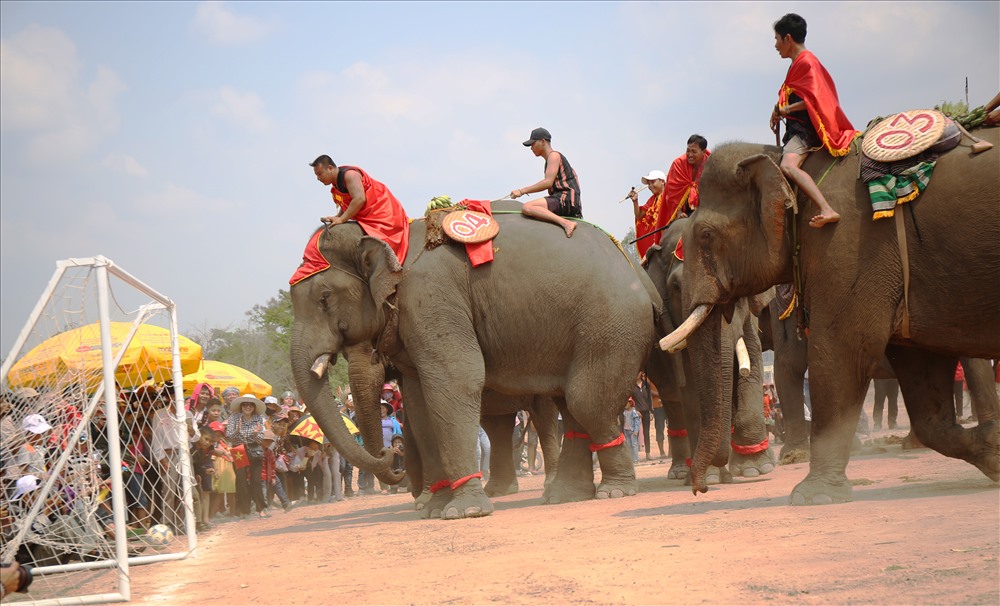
(382, 268)
(761, 172)
(766, 183)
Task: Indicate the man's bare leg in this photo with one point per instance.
(790, 166)
(538, 209)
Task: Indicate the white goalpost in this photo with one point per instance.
(83, 470)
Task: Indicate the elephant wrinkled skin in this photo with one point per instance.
(567, 318)
(739, 243)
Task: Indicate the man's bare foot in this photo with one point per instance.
(823, 219)
(570, 227)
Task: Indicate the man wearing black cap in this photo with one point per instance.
(560, 181)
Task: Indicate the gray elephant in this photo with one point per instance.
(745, 453)
(567, 318)
(862, 296)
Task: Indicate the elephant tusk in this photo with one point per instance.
(698, 315)
(319, 366)
(676, 348)
(743, 357)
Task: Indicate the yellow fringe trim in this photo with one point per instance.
(883, 214)
(912, 196)
(791, 307)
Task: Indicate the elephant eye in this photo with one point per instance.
(324, 300)
(705, 236)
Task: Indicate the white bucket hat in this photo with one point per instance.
(36, 424)
(25, 484)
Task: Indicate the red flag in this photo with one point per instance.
(240, 458)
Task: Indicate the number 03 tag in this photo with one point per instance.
(470, 227)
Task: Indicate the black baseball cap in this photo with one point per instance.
(538, 134)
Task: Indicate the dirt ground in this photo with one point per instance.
(923, 529)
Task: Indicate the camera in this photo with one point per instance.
(24, 577)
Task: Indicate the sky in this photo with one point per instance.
(174, 137)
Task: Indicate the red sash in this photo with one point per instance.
(808, 79)
(682, 186)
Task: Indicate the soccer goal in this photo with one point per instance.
(96, 441)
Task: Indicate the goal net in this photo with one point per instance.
(95, 445)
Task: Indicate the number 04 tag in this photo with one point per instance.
(470, 227)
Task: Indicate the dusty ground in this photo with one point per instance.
(922, 529)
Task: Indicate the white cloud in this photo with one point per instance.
(243, 108)
(224, 27)
(46, 97)
(125, 163)
(175, 199)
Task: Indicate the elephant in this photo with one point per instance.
(674, 380)
(567, 318)
(863, 297)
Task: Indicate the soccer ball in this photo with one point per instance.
(159, 536)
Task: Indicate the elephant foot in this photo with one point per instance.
(818, 492)
(501, 488)
(562, 492)
(468, 504)
(911, 442)
(679, 470)
(421, 501)
(614, 490)
(986, 449)
(436, 504)
(753, 465)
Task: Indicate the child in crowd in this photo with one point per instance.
(271, 482)
(632, 423)
(398, 464)
(202, 457)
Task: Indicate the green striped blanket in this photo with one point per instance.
(888, 190)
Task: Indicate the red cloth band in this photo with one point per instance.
(749, 450)
(677, 433)
(616, 442)
(569, 435)
(687, 461)
(436, 486)
(461, 481)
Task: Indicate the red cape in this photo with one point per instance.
(651, 220)
(808, 79)
(682, 186)
(382, 216)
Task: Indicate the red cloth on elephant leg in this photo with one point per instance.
(462, 481)
(808, 79)
(436, 486)
(751, 449)
(616, 442)
(382, 216)
(569, 435)
(480, 252)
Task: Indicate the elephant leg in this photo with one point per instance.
(431, 497)
(575, 477)
(982, 390)
(790, 364)
(751, 456)
(838, 390)
(503, 479)
(677, 437)
(926, 380)
(452, 397)
(413, 461)
(597, 411)
(546, 419)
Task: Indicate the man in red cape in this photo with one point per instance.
(809, 103)
(675, 198)
(365, 200)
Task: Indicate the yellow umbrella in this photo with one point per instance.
(74, 356)
(308, 428)
(221, 375)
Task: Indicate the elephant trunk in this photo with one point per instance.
(705, 349)
(366, 380)
(316, 393)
